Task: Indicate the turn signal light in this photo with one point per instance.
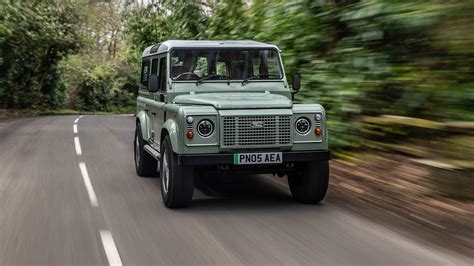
(189, 134)
(317, 131)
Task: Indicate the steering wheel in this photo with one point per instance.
(187, 73)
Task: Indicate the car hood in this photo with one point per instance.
(236, 100)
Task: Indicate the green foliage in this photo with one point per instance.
(98, 78)
(227, 21)
(362, 58)
(359, 58)
(101, 89)
(35, 36)
(145, 26)
(96, 87)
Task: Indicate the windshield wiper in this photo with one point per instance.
(199, 81)
(245, 81)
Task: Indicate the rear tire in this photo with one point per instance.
(145, 164)
(310, 183)
(177, 181)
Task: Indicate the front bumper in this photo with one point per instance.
(228, 158)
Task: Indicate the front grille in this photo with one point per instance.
(256, 130)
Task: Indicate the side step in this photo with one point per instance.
(152, 151)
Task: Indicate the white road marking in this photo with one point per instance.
(78, 146)
(77, 119)
(110, 249)
(88, 184)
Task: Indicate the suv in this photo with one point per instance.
(225, 107)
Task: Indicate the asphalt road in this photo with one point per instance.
(62, 205)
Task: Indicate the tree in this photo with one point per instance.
(36, 35)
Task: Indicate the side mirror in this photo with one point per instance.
(296, 84)
(153, 83)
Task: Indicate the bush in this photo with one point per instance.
(102, 89)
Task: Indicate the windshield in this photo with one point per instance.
(220, 64)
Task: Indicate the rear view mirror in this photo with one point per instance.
(296, 84)
(153, 83)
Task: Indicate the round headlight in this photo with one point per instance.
(318, 117)
(302, 126)
(189, 119)
(205, 128)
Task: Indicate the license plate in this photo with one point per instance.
(258, 158)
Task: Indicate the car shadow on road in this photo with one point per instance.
(244, 193)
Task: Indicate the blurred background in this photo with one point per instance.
(396, 79)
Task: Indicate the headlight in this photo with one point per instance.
(205, 128)
(318, 117)
(302, 126)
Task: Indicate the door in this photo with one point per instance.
(144, 95)
(160, 96)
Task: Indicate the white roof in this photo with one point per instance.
(166, 46)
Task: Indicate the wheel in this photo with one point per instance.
(145, 164)
(177, 182)
(310, 183)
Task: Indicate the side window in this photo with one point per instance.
(162, 74)
(221, 68)
(154, 66)
(145, 72)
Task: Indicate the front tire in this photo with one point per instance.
(145, 164)
(310, 183)
(177, 182)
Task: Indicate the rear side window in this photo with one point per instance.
(145, 72)
(154, 66)
(162, 74)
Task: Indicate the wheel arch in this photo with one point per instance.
(144, 121)
(171, 129)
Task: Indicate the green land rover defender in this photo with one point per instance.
(225, 107)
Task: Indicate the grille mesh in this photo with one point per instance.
(244, 131)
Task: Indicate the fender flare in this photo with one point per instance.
(171, 129)
(145, 123)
